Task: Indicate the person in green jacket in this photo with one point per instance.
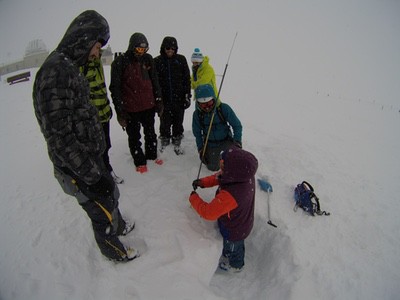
(94, 73)
(202, 71)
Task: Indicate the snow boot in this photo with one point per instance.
(158, 161)
(176, 140)
(223, 259)
(224, 265)
(141, 169)
(178, 150)
(131, 254)
(128, 228)
(117, 180)
(164, 143)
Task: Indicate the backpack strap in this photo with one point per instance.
(317, 208)
(307, 185)
(220, 115)
(201, 119)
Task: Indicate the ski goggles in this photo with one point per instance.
(141, 50)
(207, 105)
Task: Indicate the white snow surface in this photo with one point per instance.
(316, 85)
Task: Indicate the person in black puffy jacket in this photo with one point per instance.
(74, 134)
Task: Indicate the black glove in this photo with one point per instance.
(187, 101)
(104, 187)
(238, 144)
(159, 107)
(123, 119)
(202, 158)
(197, 183)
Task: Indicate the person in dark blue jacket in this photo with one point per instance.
(226, 128)
(174, 78)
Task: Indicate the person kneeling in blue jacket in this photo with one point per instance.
(226, 128)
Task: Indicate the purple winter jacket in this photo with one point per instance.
(238, 178)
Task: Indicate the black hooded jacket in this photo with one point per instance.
(134, 84)
(173, 73)
(69, 123)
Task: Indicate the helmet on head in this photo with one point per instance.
(204, 93)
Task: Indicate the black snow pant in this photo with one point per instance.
(103, 211)
(212, 155)
(172, 117)
(107, 224)
(135, 121)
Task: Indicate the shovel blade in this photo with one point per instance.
(265, 185)
(272, 224)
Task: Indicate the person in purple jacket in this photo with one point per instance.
(233, 205)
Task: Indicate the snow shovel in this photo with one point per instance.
(266, 187)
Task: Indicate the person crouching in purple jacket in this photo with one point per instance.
(233, 205)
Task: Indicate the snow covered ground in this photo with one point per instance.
(316, 85)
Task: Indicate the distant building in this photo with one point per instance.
(107, 56)
(36, 53)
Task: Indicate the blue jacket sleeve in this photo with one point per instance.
(197, 131)
(233, 121)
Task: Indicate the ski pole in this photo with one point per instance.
(213, 114)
